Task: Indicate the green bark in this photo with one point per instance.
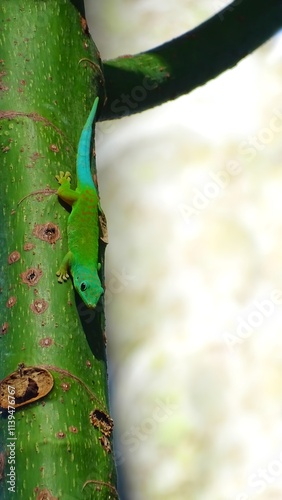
(138, 82)
(63, 445)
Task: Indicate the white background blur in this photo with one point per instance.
(192, 191)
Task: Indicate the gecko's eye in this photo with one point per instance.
(83, 286)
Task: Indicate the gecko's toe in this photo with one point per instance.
(63, 177)
(62, 276)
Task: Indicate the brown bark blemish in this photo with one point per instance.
(11, 302)
(65, 386)
(46, 342)
(48, 232)
(39, 194)
(103, 228)
(34, 158)
(31, 276)
(73, 429)
(99, 484)
(60, 435)
(3, 87)
(39, 306)
(14, 257)
(66, 373)
(102, 421)
(44, 495)
(105, 444)
(84, 26)
(28, 246)
(4, 328)
(54, 148)
(29, 384)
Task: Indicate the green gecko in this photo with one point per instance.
(83, 222)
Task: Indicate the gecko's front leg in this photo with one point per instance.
(62, 273)
(65, 192)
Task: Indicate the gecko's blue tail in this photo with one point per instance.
(83, 171)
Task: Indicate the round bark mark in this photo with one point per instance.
(39, 306)
(11, 302)
(31, 276)
(60, 435)
(26, 385)
(54, 148)
(65, 386)
(46, 342)
(73, 429)
(28, 246)
(14, 257)
(48, 232)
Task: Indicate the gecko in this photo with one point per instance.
(81, 260)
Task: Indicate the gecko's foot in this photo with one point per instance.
(63, 177)
(62, 276)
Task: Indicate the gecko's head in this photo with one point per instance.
(89, 289)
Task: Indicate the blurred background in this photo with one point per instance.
(192, 191)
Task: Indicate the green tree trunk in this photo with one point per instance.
(55, 429)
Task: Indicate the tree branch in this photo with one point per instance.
(142, 81)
